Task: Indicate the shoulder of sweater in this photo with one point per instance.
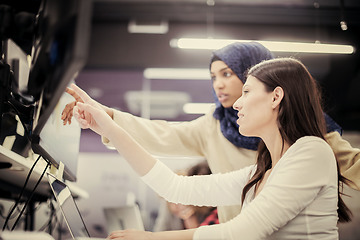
(208, 116)
(310, 144)
(310, 139)
(310, 152)
(210, 113)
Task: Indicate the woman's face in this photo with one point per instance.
(226, 84)
(255, 108)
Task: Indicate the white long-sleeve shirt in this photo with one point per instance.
(203, 137)
(298, 201)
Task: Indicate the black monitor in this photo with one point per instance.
(61, 35)
(59, 52)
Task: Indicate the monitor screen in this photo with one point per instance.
(60, 143)
(59, 52)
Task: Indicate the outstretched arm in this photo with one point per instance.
(141, 235)
(157, 137)
(91, 115)
(186, 190)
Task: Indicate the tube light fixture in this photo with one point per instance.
(161, 28)
(197, 108)
(177, 73)
(274, 46)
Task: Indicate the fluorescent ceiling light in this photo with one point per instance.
(274, 46)
(177, 73)
(160, 104)
(197, 108)
(161, 28)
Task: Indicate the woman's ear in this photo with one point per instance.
(278, 95)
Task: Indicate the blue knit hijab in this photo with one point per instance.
(239, 57)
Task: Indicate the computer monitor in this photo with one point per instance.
(59, 52)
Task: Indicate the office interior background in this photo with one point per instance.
(128, 37)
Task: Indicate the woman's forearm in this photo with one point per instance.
(173, 235)
(132, 234)
(139, 159)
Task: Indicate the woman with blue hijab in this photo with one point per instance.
(251, 54)
(215, 135)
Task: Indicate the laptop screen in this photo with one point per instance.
(68, 208)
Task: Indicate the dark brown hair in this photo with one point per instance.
(300, 113)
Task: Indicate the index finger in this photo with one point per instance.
(81, 93)
(73, 94)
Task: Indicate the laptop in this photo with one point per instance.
(69, 209)
(125, 217)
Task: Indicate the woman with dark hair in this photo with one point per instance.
(296, 114)
(215, 135)
(292, 192)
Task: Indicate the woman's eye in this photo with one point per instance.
(227, 74)
(213, 78)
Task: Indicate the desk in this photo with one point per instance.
(13, 179)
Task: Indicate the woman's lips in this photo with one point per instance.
(240, 116)
(223, 97)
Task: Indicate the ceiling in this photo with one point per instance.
(298, 12)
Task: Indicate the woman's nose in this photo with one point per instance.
(237, 104)
(218, 83)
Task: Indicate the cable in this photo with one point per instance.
(52, 225)
(31, 195)
(21, 193)
(19, 210)
(53, 220)
(3, 215)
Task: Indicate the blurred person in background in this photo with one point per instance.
(174, 216)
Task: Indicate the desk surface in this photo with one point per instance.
(15, 176)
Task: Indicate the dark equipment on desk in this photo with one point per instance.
(16, 108)
(59, 37)
(55, 37)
